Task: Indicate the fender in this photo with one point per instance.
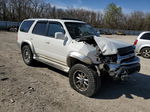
(78, 56)
(30, 44)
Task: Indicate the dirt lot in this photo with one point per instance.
(46, 89)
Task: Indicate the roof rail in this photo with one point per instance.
(70, 19)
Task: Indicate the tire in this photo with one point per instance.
(27, 55)
(84, 80)
(145, 52)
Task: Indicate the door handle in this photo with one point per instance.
(47, 42)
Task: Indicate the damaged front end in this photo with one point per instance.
(114, 57)
(125, 63)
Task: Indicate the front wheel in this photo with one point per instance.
(84, 80)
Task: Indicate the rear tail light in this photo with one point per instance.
(135, 42)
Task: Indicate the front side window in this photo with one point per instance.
(26, 25)
(78, 30)
(53, 28)
(146, 36)
(40, 28)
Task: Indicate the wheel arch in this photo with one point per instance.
(26, 42)
(75, 57)
(145, 46)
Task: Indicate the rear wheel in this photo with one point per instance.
(84, 80)
(27, 55)
(145, 52)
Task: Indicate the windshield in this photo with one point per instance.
(78, 30)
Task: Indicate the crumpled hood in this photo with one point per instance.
(109, 46)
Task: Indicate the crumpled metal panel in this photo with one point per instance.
(109, 46)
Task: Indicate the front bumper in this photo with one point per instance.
(118, 71)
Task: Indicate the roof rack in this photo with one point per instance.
(70, 19)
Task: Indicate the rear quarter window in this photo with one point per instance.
(26, 26)
(146, 36)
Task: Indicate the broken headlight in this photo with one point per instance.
(105, 59)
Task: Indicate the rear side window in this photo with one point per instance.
(40, 28)
(26, 26)
(53, 28)
(146, 36)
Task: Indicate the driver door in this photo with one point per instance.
(55, 48)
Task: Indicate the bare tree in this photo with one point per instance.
(147, 22)
(113, 17)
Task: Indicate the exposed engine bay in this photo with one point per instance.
(100, 57)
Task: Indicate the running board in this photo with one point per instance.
(53, 64)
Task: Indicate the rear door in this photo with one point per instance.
(39, 38)
(145, 39)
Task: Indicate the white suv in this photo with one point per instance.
(75, 47)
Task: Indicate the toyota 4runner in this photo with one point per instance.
(75, 47)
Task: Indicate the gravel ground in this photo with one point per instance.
(46, 89)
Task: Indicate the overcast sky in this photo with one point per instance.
(99, 5)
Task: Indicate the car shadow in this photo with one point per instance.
(42, 65)
(137, 85)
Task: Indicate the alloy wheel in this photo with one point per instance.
(81, 80)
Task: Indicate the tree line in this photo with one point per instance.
(112, 17)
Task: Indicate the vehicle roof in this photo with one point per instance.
(146, 32)
(60, 20)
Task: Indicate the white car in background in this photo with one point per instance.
(142, 44)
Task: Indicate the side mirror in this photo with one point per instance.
(59, 35)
